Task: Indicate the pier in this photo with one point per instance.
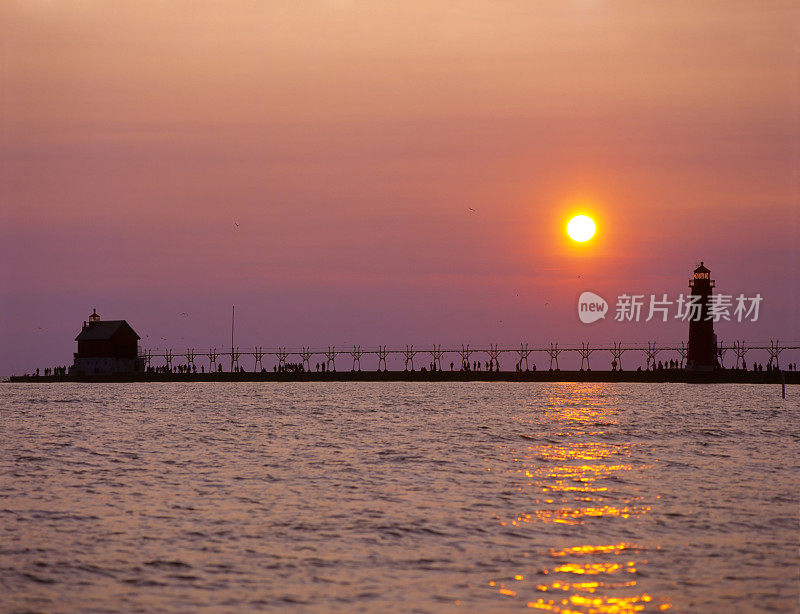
(523, 357)
(738, 361)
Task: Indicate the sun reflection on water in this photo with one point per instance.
(577, 478)
(611, 605)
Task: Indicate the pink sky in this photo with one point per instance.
(349, 141)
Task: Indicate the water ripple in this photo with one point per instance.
(410, 496)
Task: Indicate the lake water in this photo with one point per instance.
(423, 497)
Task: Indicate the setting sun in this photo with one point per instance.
(581, 228)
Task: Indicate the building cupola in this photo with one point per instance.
(701, 273)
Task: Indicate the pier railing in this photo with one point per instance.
(523, 356)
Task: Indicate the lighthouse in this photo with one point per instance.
(701, 354)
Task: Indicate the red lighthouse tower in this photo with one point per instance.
(702, 352)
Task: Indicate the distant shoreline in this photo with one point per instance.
(724, 376)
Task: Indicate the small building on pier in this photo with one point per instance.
(106, 347)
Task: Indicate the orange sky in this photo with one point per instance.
(348, 141)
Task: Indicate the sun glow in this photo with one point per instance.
(581, 228)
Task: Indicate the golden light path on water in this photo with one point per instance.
(571, 482)
(408, 496)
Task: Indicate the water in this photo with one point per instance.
(473, 497)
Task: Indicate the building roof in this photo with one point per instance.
(104, 329)
(701, 268)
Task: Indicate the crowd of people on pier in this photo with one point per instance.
(792, 366)
(665, 365)
(676, 364)
(182, 369)
(489, 365)
(48, 371)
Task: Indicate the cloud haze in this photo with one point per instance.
(349, 172)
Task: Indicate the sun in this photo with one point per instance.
(581, 228)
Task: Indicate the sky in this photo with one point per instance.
(349, 172)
